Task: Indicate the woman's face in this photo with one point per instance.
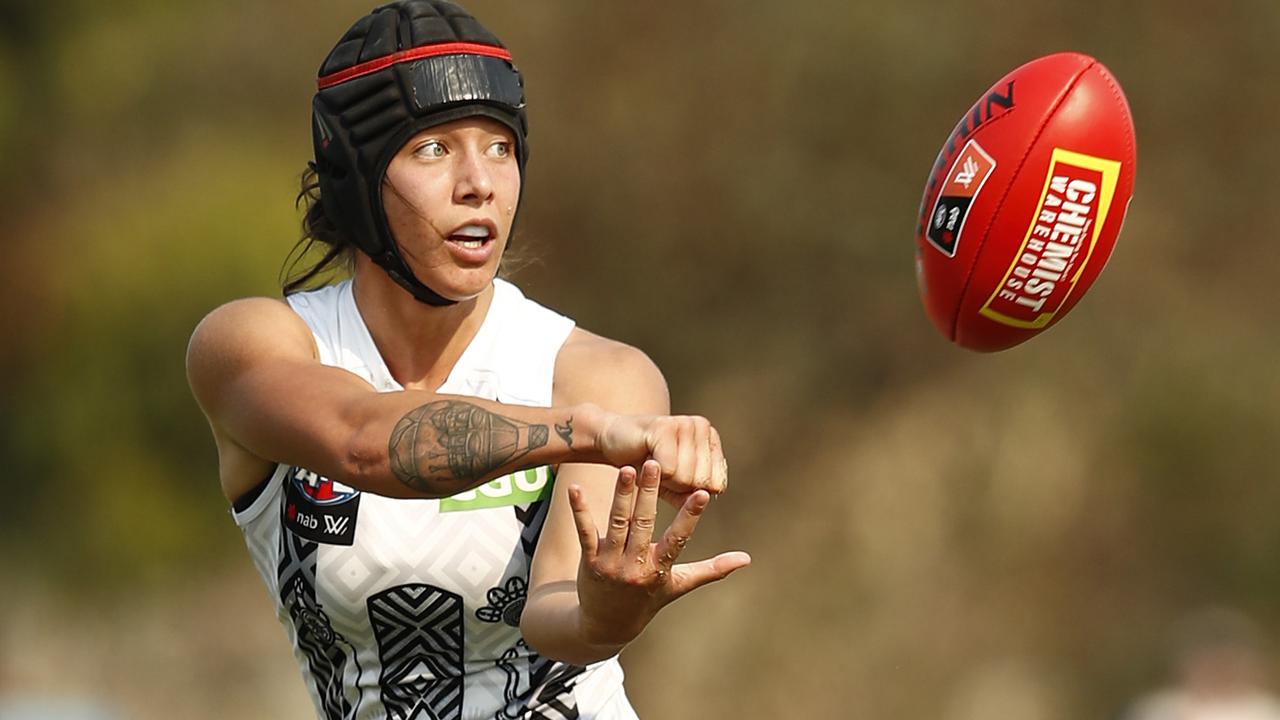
(450, 196)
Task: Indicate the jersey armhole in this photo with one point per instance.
(249, 506)
(245, 501)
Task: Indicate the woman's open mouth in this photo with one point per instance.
(472, 242)
(471, 236)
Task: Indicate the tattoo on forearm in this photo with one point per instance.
(445, 446)
(565, 431)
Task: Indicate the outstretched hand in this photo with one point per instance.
(624, 577)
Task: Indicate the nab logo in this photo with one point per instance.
(320, 509)
(321, 490)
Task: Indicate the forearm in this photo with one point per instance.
(423, 445)
(253, 369)
(553, 624)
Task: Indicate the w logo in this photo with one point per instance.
(335, 525)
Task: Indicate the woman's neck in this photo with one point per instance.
(419, 343)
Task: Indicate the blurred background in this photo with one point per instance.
(733, 187)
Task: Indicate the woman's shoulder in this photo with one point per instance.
(246, 316)
(241, 330)
(610, 373)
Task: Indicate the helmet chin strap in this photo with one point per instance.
(395, 267)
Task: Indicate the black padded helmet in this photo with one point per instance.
(404, 67)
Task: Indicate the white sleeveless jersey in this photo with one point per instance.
(410, 609)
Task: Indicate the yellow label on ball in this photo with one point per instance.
(1073, 208)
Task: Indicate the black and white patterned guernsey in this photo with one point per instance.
(410, 609)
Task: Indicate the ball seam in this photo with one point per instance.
(995, 212)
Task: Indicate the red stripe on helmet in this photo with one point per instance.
(373, 66)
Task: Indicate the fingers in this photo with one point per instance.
(645, 513)
(689, 450)
(620, 512)
(687, 447)
(691, 576)
(680, 530)
(687, 453)
(702, 452)
(588, 535)
(626, 567)
(719, 464)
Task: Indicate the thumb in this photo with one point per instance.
(688, 577)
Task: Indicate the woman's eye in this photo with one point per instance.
(500, 149)
(431, 149)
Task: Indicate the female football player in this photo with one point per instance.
(449, 490)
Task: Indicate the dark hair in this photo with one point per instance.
(318, 231)
(321, 234)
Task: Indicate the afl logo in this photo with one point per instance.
(321, 490)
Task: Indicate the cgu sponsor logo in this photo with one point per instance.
(518, 488)
(1059, 243)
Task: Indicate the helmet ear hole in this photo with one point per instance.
(324, 167)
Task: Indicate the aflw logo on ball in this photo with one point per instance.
(1073, 207)
(965, 180)
(993, 105)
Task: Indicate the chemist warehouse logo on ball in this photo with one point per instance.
(1073, 209)
(320, 509)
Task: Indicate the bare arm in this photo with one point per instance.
(252, 368)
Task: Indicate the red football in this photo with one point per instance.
(1024, 203)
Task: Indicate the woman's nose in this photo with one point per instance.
(474, 186)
